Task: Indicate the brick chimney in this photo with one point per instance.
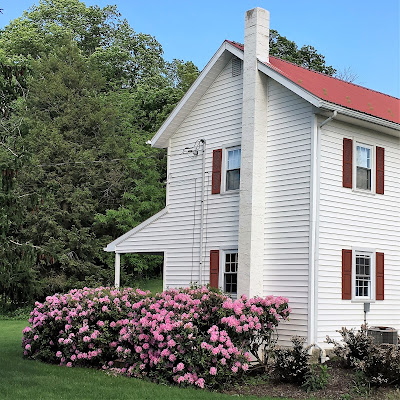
(253, 164)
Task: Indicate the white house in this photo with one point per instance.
(281, 181)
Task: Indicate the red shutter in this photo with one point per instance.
(380, 170)
(214, 268)
(347, 163)
(347, 259)
(216, 171)
(380, 261)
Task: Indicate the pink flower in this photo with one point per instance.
(59, 354)
(234, 369)
(213, 371)
(180, 367)
(69, 364)
(28, 347)
(200, 383)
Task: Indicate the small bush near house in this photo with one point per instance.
(188, 337)
(292, 364)
(316, 378)
(379, 363)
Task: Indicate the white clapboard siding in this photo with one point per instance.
(217, 119)
(287, 205)
(348, 219)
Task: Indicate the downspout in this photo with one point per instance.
(203, 172)
(328, 119)
(314, 264)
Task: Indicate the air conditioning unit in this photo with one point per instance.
(383, 335)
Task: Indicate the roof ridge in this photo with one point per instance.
(317, 72)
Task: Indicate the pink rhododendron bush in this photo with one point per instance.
(187, 336)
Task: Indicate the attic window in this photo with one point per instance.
(236, 67)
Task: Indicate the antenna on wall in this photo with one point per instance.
(193, 151)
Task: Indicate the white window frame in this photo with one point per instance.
(223, 253)
(373, 167)
(372, 253)
(225, 167)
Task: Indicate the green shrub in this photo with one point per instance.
(379, 363)
(316, 378)
(292, 364)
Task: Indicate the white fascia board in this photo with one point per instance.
(289, 84)
(392, 128)
(112, 247)
(195, 93)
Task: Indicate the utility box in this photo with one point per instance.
(383, 335)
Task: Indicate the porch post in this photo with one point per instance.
(117, 269)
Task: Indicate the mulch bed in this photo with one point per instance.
(341, 386)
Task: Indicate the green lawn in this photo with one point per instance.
(154, 285)
(25, 379)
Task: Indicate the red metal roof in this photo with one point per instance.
(337, 91)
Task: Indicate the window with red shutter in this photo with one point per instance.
(362, 271)
(214, 268)
(380, 170)
(216, 171)
(347, 163)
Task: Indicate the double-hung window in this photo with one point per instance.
(364, 167)
(233, 156)
(363, 275)
(230, 270)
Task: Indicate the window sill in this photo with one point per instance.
(364, 192)
(362, 301)
(230, 192)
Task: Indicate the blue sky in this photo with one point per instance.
(363, 35)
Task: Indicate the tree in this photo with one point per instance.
(306, 56)
(17, 260)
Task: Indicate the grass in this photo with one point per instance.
(154, 285)
(26, 379)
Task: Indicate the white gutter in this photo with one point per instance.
(203, 173)
(359, 115)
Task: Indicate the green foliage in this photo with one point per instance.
(316, 378)
(306, 56)
(292, 364)
(91, 94)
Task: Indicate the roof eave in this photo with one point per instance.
(390, 127)
(393, 127)
(195, 93)
(112, 247)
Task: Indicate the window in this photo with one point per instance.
(230, 273)
(366, 173)
(363, 275)
(233, 156)
(364, 167)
